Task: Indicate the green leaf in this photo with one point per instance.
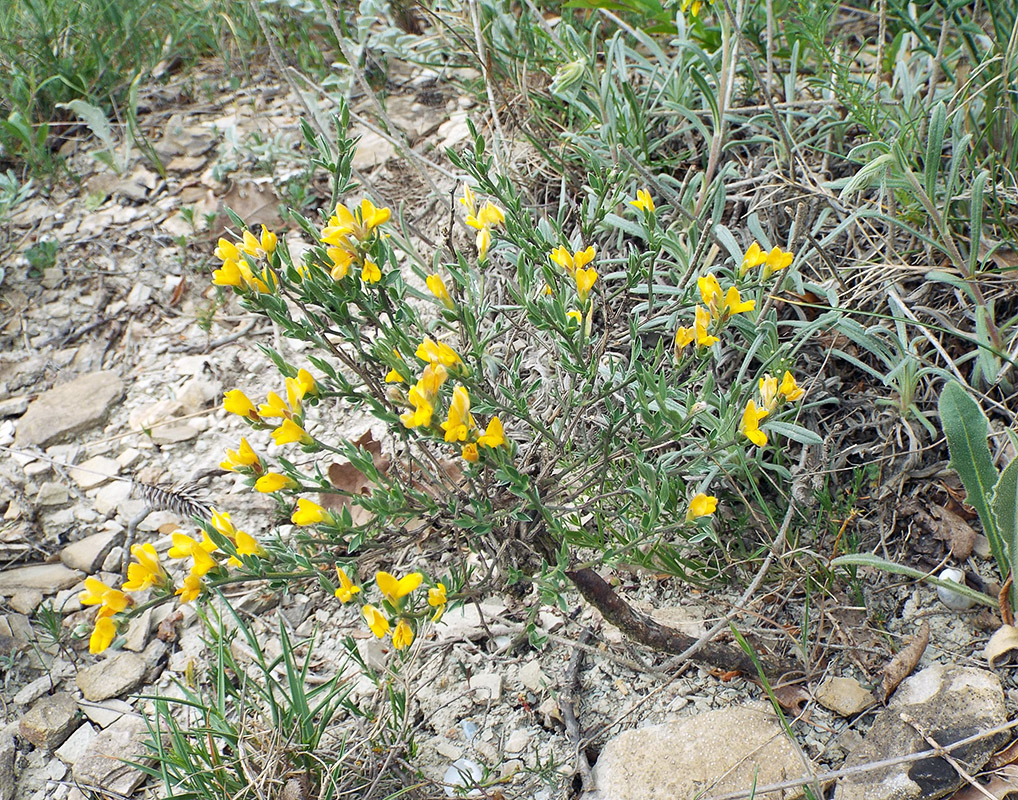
(794, 432)
(876, 562)
(1005, 510)
(934, 148)
(965, 426)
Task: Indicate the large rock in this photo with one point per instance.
(7, 752)
(69, 408)
(46, 578)
(117, 675)
(101, 767)
(945, 703)
(88, 554)
(715, 753)
(50, 721)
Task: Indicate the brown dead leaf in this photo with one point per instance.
(904, 662)
(167, 630)
(792, 697)
(350, 480)
(1003, 758)
(255, 203)
(1002, 784)
(956, 532)
(178, 292)
(1001, 645)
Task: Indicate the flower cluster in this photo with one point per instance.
(349, 236)
(482, 220)
(718, 306)
(240, 260)
(771, 395)
(776, 259)
(576, 265)
(289, 411)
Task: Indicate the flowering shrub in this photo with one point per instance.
(532, 404)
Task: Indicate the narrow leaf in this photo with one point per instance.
(1005, 511)
(876, 562)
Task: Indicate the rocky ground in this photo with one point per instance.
(113, 363)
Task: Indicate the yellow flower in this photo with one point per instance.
(309, 513)
(247, 545)
(222, 523)
(393, 376)
(584, 281)
(700, 323)
(753, 257)
(227, 251)
(484, 220)
(359, 223)
(275, 407)
(253, 280)
(643, 201)
(203, 561)
(571, 263)
(403, 635)
(182, 545)
(190, 589)
(236, 402)
(290, 432)
(469, 200)
(470, 453)
(703, 505)
(341, 258)
(776, 259)
(370, 273)
(438, 288)
(306, 382)
(691, 7)
(395, 588)
(789, 389)
(575, 315)
(436, 595)
(146, 572)
(346, 589)
(483, 243)
(432, 378)
(768, 393)
(251, 245)
(245, 457)
(494, 434)
(420, 417)
(97, 592)
(710, 292)
(379, 624)
(437, 353)
(683, 338)
(274, 482)
(459, 422)
(103, 635)
(734, 304)
(228, 275)
(750, 424)
(269, 241)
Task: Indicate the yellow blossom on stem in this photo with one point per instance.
(683, 338)
(236, 402)
(346, 589)
(221, 522)
(243, 458)
(290, 432)
(437, 600)
(422, 412)
(275, 407)
(251, 245)
(777, 259)
(359, 223)
(259, 283)
(459, 422)
(710, 292)
(146, 572)
(431, 380)
(437, 353)
(750, 424)
(483, 243)
(701, 319)
(753, 257)
(103, 635)
(403, 636)
(247, 545)
(190, 590)
(469, 452)
(96, 592)
(394, 588)
(228, 275)
(227, 250)
(182, 545)
(691, 7)
(572, 262)
(768, 393)
(643, 201)
(306, 382)
(376, 621)
(584, 281)
(341, 258)
(274, 482)
(734, 304)
(438, 288)
(310, 513)
(789, 389)
(703, 505)
(370, 273)
(394, 376)
(577, 316)
(269, 241)
(494, 434)
(203, 561)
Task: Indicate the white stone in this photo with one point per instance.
(517, 741)
(52, 493)
(110, 496)
(532, 677)
(487, 686)
(76, 744)
(95, 471)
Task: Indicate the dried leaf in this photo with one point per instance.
(905, 661)
(1003, 758)
(956, 532)
(1001, 645)
(178, 292)
(347, 478)
(167, 630)
(792, 697)
(255, 203)
(1001, 786)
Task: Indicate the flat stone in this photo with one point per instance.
(716, 753)
(50, 721)
(532, 677)
(77, 744)
(487, 687)
(137, 633)
(47, 578)
(102, 765)
(13, 406)
(7, 753)
(844, 696)
(52, 493)
(946, 703)
(107, 712)
(110, 496)
(116, 675)
(31, 692)
(69, 408)
(26, 601)
(518, 741)
(94, 472)
(173, 433)
(89, 553)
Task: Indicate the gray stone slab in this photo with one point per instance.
(69, 408)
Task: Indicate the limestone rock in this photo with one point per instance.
(47, 578)
(105, 713)
(947, 703)
(113, 677)
(715, 753)
(88, 554)
(532, 677)
(77, 744)
(487, 687)
(844, 696)
(94, 471)
(52, 493)
(7, 752)
(102, 765)
(69, 408)
(50, 721)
